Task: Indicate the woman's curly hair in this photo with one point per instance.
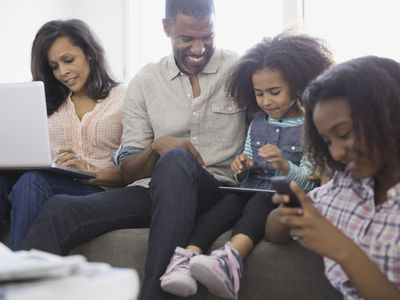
(371, 87)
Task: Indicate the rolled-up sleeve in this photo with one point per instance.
(137, 129)
(122, 152)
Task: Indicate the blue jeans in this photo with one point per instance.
(181, 190)
(66, 221)
(31, 191)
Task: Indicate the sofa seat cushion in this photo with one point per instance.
(270, 272)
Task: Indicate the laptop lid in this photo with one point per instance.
(23, 126)
(24, 131)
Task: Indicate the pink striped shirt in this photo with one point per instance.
(348, 203)
(95, 136)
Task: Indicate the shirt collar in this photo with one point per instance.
(210, 68)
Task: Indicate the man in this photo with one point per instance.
(181, 130)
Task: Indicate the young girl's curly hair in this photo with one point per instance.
(300, 58)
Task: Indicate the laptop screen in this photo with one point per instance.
(23, 125)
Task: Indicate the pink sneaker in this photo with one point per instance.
(177, 279)
(219, 272)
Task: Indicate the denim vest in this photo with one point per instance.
(288, 139)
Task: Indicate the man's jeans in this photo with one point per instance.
(181, 189)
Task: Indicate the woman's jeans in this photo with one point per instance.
(31, 191)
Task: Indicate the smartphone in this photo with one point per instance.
(281, 185)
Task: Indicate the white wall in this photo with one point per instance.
(130, 30)
(106, 18)
(21, 19)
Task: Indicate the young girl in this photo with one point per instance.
(352, 124)
(84, 107)
(270, 77)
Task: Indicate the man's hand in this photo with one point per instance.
(166, 143)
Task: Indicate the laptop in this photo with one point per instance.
(24, 133)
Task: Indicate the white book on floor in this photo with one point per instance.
(111, 284)
(37, 275)
(33, 264)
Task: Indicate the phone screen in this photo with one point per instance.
(281, 185)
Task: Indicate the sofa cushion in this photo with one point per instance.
(270, 272)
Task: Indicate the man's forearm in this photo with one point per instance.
(139, 165)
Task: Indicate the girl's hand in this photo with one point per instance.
(68, 157)
(273, 155)
(309, 227)
(241, 163)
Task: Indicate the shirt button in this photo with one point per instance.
(194, 138)
(194, 113)
(258, 143)
(189, 95)
(229, 108)
(277, 130)
(293, 148)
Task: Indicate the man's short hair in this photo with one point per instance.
(192, 8)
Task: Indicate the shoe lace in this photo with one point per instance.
(227, 253)
(179, 262)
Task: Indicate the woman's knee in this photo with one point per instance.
(28, 180)
(27, 187)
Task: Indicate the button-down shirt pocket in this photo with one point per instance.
(224, 116)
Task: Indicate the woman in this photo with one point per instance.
(84, 107)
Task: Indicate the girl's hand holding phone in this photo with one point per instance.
(308, 226)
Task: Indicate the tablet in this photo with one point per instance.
(245, 190)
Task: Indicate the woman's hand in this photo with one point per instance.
(69, 158)
(241, 163)
(273, 155)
